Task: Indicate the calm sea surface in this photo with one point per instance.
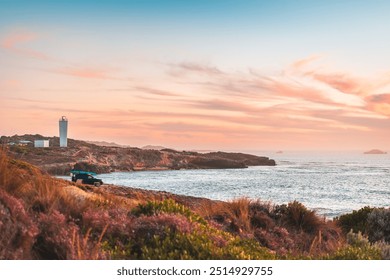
(330, 183)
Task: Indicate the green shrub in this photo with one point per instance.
(167, 206)
(358, 248)
(378, 225)
(167, 230)
(20, 149)
(384, 247)
(355, 221)
(199, 245)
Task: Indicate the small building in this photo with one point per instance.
(41, 143)
(24, 143)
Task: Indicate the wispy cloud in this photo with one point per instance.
(190, 68)
(18, 43)
(206, 69)
(379, 103)
(30, 100)
(307, 61)
(223, 105)
(292, 99)
(379, 98)
(157, 92)
(87, 72)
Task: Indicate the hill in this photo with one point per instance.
(153, 147)
(103, 159)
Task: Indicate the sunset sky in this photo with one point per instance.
(222, 74)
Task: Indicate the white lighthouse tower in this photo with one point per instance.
(63, 132)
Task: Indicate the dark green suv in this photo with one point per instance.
(86, 178)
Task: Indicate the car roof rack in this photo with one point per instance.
(75, 172)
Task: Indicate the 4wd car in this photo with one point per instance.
(87, 179)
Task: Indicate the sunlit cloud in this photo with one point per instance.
(379, 98)
(154, 91)
(85, 72)
(18, 43)
(307, 61)
(191, 68)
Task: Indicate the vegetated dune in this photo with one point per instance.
(104, 159)
(46, 218)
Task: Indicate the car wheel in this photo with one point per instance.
(97, 184)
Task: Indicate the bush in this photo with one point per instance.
(261, 220)
(54, 241)
(359, 248)
(168, 230)
(167, 206)
(384, 249)
(17, 229)
(296, 215)
(115, 221)
(378, 225)
(355, 221)
(277, 239)
(202, 244)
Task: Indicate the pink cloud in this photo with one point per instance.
(186, 68)
(379, 98)
(341, 82)
(157, 92)
(13, 40)
(299, 91)
(101, 73)
(379, 103)
(16, 43)
(301, 63)
(84, 73)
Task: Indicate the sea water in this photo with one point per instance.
(331, 183)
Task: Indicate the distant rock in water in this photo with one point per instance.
(375, 152)
(279, 152)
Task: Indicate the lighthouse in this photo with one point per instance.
(63, 132)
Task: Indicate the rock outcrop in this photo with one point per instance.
(105, 159)
(375, 152)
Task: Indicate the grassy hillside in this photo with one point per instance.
(46, 218)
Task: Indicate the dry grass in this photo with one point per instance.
(239, 215)
(22, 180)
(328, 239)
(86, 249)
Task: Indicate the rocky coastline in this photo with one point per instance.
(105, 159)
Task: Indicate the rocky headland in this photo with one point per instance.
(104, 159)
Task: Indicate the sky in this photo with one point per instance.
(218, 75)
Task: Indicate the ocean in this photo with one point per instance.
(331, 183)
